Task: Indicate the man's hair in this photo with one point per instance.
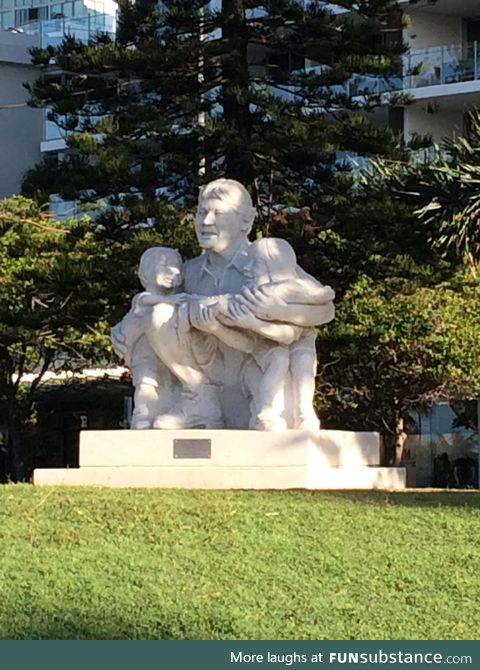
(278, 255)
(235, 192)
(154, 257)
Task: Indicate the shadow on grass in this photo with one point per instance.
(428, 498)
(47, 625)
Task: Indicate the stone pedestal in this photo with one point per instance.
(228, 459)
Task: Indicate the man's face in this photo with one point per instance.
(217, 225)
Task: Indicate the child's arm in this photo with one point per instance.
(147, 299)
(132, 329)
(125, 335)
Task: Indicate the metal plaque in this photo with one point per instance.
(192, 448)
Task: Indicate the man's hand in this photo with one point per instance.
(203, 317)
(268, 308)
(241, 315)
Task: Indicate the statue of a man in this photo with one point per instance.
(240, 341)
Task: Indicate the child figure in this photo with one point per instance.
(273, 267)
(156, 389)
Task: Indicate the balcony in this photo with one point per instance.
(83, 28)
(440, 65)
(358, 85)
(435, 66)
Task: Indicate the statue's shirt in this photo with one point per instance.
(202, 278)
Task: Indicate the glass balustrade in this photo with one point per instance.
(52, 131)
(83, 28)
(447, 64)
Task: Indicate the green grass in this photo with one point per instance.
(134, 564)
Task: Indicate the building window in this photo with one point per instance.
(68, 9)
(473, 30)
(285, 61)
(6, 20)
(56, 11)
(23, 16)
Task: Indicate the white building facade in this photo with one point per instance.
(21, 127)
(19, 13)
(26, 133)
(442, 69)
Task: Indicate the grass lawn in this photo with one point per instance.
(89, 563)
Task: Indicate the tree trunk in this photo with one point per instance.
(15, 466)
(400, 437)
(238, 155)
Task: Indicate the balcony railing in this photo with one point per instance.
(422, 67)
(434, 66)
(439, 65)
(359, 84)
(82, 28)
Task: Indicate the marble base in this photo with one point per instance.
(228, 459)
(321, 448)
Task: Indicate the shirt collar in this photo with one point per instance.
(238, 261)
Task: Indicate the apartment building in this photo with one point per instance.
(21, 127)
(21, 13)
(442, 69)
(26, 133)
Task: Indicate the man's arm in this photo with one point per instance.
(203, 317)
(240, 316)
(305, 291)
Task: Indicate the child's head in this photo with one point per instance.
(160, 267)
(271, 260)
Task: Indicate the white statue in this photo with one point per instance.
(272, 268)
(156, 389)
(236, 348)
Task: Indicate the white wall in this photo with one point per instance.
(442, 124)
(20, 127)
(14, 47)
(429, 29)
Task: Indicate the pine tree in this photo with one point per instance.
(187, 92)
